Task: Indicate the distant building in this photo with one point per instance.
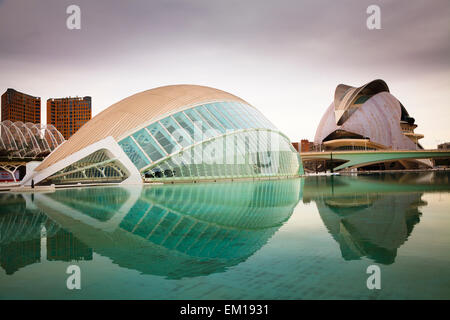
(370, 118)
(305, 145)
(444, 146)
(69, 114)
(18, 106)
(367, 118)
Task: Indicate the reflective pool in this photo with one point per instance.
(308, 238)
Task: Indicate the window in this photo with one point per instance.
(164, 139)
(149, 145)
(206, 130)
(215, 124)
(133, 152)
(220, 117)
(178, 133)
(187, 124)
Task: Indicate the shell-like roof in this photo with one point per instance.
(378, 119)
(345, 97)
(134, 111)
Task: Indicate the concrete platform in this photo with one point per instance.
(27, 189)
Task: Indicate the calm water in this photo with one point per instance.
(309, 238)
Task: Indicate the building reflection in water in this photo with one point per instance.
(371, 216)
(183, 230)
(21, 228)
(173, 231)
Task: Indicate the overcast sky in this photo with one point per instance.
(284, 57)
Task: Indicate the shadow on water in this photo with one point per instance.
(174, 231)
(372, 216)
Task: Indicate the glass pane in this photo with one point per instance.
(164, 139)
(210, 119)
(246, 113)
(187, 124)
(134, 153)
(232, 115)
(220, 117)
(259, 116)
(216, 111)
(149, 145)
(235, 110)
(206, 130)
(178, 134)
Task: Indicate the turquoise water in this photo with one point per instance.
(308, 238)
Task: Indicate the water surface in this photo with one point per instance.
(308, 238)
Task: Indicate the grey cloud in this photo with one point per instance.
(413, 31)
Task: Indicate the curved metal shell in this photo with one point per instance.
(378, 119)
(346, 98)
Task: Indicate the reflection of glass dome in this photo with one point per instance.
(177, 231)
(181, 132)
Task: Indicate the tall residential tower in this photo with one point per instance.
(18, 106)
(69, 114)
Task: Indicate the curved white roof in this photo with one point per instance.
(129, 113)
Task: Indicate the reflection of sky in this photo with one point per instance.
(288, 54)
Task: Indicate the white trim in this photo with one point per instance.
(109, 144)
(44, 202)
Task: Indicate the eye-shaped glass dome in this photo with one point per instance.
(173, 133)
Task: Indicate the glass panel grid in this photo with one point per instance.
(255, 153)
(177, 132)
(149, 145)
(210, 119)
(134, 153)
(163, 138)
(220, 117)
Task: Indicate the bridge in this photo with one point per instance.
(360, 158)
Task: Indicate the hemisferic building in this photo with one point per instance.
(179, 133)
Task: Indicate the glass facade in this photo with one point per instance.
(97, 166)
(212, 141)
